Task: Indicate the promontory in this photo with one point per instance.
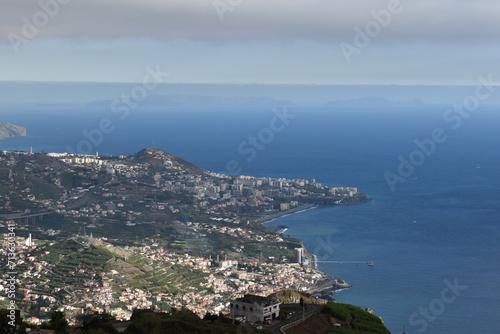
(8, 130)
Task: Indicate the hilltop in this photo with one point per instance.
(159, 160)
(8, 130)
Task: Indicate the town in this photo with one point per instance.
(150, 231)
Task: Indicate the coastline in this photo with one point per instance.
(325, 286)
(273, 216)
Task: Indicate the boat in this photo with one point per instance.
(370, 263)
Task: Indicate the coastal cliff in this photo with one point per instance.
(8, 130)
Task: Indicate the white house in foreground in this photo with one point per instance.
(255, 308)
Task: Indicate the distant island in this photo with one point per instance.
(199, 100)
(8, 130)
(375, 102)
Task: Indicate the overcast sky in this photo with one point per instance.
(449, 42)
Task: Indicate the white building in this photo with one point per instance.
(299, 253)
(255, 308)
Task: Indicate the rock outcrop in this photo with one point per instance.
(8, 130)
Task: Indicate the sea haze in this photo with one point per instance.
(440, 224)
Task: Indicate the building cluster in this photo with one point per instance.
(120, 180)
(91, 190)
(221, 281)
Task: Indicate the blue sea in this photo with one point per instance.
(433, 237)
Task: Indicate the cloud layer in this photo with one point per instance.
(315, 20)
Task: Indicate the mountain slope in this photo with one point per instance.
(10, 130)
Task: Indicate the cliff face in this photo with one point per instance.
(10, 130)
(290, 296)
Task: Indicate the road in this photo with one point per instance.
(311, 309)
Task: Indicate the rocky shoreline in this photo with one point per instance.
(327, 285)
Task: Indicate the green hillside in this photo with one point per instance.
(354, 319)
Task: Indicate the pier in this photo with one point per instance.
(369, 263)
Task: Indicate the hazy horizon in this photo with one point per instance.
(85, 92)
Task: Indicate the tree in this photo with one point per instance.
(59, 323)
(210, 317)
(283, 315)
(148, 323)
(99, 322)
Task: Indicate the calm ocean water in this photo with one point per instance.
(434, 239)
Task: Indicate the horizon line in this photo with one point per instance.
(235, 83)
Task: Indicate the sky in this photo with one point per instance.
(346, 42)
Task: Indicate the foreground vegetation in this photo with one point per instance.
(354, 320)
(142, 322)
